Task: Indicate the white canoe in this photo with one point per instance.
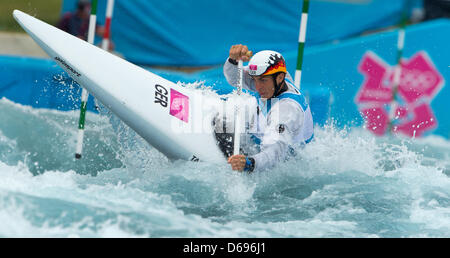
(170, 117)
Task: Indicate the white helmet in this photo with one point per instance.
(267, 62)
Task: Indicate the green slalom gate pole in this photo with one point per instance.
(393, 115)
(84, 93)
(301, 43)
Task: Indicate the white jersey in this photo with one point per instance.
(281, 124)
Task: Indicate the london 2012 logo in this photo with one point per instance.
(179, 105)
(405, 109)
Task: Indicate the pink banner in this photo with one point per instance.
(419, 83)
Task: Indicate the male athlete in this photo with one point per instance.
(284, 117)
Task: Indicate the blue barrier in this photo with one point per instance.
(39, 83)
(338, 67)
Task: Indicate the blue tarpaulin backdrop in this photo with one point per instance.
(200, 32)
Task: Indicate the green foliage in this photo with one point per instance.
(46, 10)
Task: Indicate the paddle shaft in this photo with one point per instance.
(85, 93)
(237, 118)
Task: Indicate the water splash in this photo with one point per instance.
(346, 183)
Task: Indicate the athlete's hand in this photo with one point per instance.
(240, 52)
(237, 162)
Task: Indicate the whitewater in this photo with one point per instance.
(346, 183)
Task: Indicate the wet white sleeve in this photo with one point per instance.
(285, 121)
(231, 74)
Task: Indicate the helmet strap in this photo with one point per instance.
(279, 88)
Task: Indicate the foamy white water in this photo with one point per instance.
(344, 184)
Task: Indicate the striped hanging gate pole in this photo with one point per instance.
(84, 93)
(107, 37)
(398, 67)
(301, 43)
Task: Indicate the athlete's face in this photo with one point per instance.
(265, 85)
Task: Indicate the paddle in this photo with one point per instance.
(237, 118)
